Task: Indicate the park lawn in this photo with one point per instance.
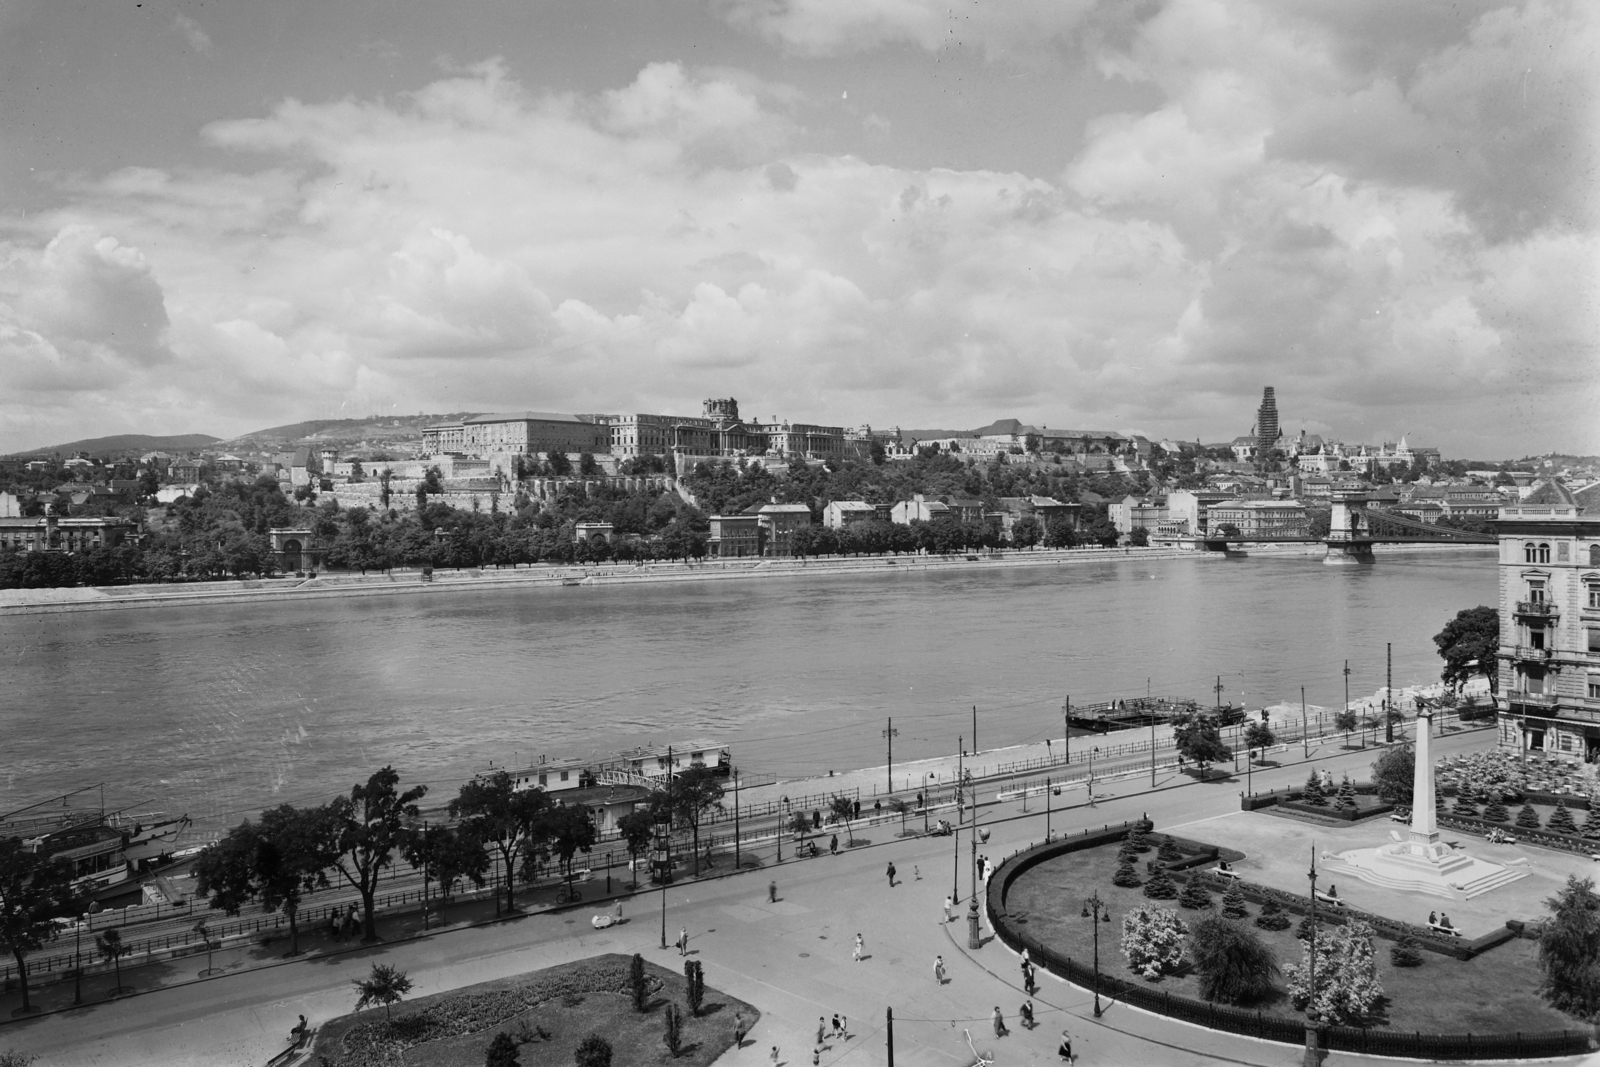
(1495, 992)
(568, 1008)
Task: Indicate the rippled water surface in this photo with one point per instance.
(222, 710)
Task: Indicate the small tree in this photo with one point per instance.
(843, 807)
(593, 1051)
(1591, 821)
(1235, 966)
(1233, 903)
(502, 1052)
(364, 830)
(636, 983)
(695, 792)
(1495, 810)
(638, 830)
(1346, 797)
(1194, 896)
(901, 807)
(276, 860)
(1394, 773)
(1312, 792)
(1199, 740)
(1346, 971)
(447, 854)
(1569, 949)
(1161, 886)
(1464, 807)
(13, 1058)
(694, 985)
(1259, 735)
(503, 816)
(1152, 940)
(1138, 839)
(1406, 952)
(1126, 876)
(32, 892)
(112, 948)
(1468, 644)
(1169, 852)
(1345, 719)
(1561, 820)
(672, 1033)
(1272, 916)
(1527, 818)
(384, 985)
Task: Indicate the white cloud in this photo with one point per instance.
(197, 37)
(832, 27)
(472, 244)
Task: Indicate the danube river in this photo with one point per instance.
(222, 710)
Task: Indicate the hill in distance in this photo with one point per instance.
(128, 442)
(339, 432)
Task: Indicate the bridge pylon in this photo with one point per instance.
(1349, 537)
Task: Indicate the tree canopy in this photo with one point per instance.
(32, 892)
(365, 828)
(1468, 645)
(1569, 949)
(1199, 741)
(1394, 773)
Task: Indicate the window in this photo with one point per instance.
(1594, 592)
(1594, 641)
(1536, 592)
(1566, 742)
(1594, 688)
(1594, 555)
(1530, 553)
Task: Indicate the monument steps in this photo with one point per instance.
(1469, 889)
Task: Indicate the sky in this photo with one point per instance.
(217, 216)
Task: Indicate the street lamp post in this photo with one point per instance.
(1305, 728)
(77, 960)
(955, 862)
(889, 732)
(1096, 910)
(1249, 774)
(1311, 1003)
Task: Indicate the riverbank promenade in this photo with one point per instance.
(791, 957)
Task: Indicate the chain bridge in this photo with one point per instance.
(1353, 529)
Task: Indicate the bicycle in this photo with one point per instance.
(568, 894)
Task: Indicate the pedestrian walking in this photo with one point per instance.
(816, 1057)
(1027, 976)
(938, 970)
(349, 927)
(858, 948)
(837, 1029)
(1064, 1050)
(833, 845)
(999, 1023)
(772, 892)
(948, 904)
(891, 874)
(822, 1030)
(916, 873)
(333, 924)
(616, 910)
(738, 1029)
(683, 941)
(1025, 1013)
(774, 1056)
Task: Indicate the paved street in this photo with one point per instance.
(791, 959)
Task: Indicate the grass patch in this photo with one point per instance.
(1495, 992)
(567, 1003)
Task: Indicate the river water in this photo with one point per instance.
(223, 710)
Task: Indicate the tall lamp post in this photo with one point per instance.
(1312, 1055)
(955, 860)
(890, 733)
(1096, 910)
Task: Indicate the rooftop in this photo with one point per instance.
(527, 416)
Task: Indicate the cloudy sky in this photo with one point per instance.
(221, 215)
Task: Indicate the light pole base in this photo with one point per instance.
(974, 936)
(1313, 1055)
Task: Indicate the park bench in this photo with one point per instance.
(1328, 898)
(1448, 931)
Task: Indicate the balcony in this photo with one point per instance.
(1538, 700)
(1539, 608)
(1533, 655)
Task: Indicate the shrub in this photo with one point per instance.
(1495, 810)
(1303, 931)
(1406, 952)
(1234, 964)
(1527, 818)
(1168, 852)
(1160, 886)
(1127, 853)
(636, 983)
(1312, 793)
(502, 1052)
(1194, 896)
(1561, 820)
(1126, 876)
(1347, 975)
(1233, 905)
(1272, 916)
(1346, 797)
(694, 980)
(672, 1034)
(1153, 940)
(1137, 838)
(1591, 821)
(594, 1051)
(1465, 807)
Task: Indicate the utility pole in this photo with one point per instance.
(889, 732)
(974, 729)
(1066, 729)
(1305, 732)
(736, 863)
(1388, 687)
(1347, 685)
(1218, 688)
(955, 866)
(888, 1015)
(1152, 747)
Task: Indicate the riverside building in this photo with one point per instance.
(1548, 682)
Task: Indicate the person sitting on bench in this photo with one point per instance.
(298, 1034)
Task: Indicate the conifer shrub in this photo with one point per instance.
(1312, 793)
(1346, 797)
(1168, 852)
(1194, 896)
(1406, 952)
(1126, 876)
(1161, 886)
(1527, 818)
(1591, 821)
(1464, 807)
(1138, 839)
(1233, 902)
(1272, 916)
(1561, 820)
(1495, 810)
